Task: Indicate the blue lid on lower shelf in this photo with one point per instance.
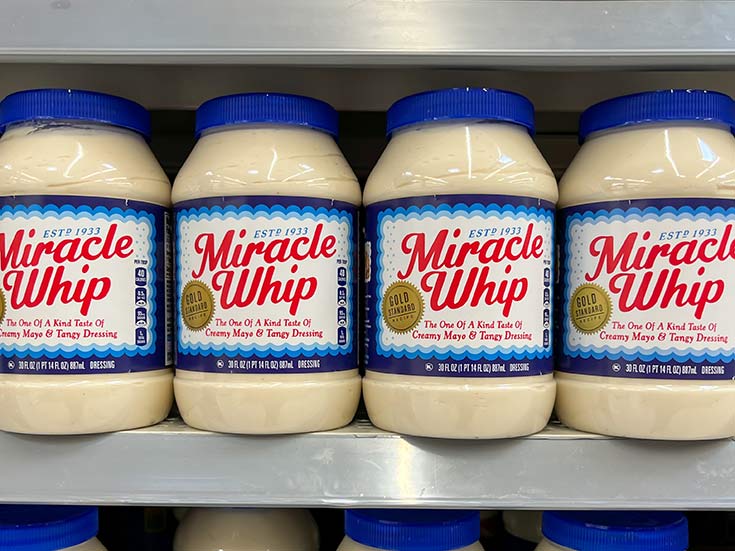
(46, 528)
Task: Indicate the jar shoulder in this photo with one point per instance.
(461, 160)
(80, 163)
(266, 163)
(656, 163)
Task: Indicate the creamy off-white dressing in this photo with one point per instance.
(288, 163)
(351, 545)
(467, 157)
(87, 161)
(525, 525)
(91, 545)
(460, 408)
(668, 161)
(546, 545)
(281, 160)
(461, 157)
(247, 530)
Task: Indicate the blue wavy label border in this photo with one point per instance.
(129, 357)
(334, 357)
(594, 360)
(413, 360)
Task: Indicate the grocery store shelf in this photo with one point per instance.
(362, 466)
(475, 33)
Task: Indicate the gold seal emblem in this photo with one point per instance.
(403, 306)
(197, 305)
(590, 308)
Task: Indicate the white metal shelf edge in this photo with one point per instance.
(386, 32)
(362, 466)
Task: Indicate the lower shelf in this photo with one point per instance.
(360, 465)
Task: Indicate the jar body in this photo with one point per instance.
(91, 545)
(86, 345)
(287, 195)
(522, 529)
(247, 529)
(441, 325)
(652, 358)
(349, 544)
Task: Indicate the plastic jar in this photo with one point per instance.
(85, 321)
(459, 251)
(614, 531)
(266, 210)
(247, 530)
(522, 530)
(648, 249)
(48, 528)
(411, 530)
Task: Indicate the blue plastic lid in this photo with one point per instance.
(617, 530)
(267, 108)
(409, 530)
(57, 104)
(461, 103)
(45, 528)
(658, 106)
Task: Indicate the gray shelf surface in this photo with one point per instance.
(360, 465)
(481, 33)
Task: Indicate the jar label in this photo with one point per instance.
(83, 286)
(459, 286)
(647, 289)
(266, 285)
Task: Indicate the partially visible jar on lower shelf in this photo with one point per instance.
(614, 531)
(215, 529)
(49, 528)
(522, 530)
(85, 345)
(411, 530)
